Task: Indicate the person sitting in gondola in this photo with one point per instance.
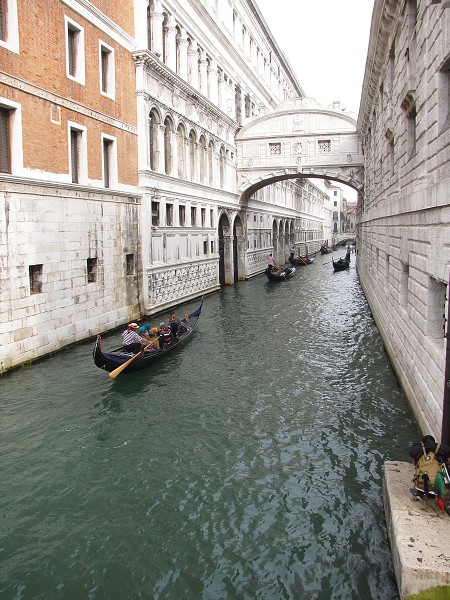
(131, 340)
(165, 335)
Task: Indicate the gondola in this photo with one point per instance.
(341, 264)
(301, 261)
(280, 275)
(325, 250)
(112, 361)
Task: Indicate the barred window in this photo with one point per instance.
(91, 270)
(275, 149)
(35, 275)
(324, 146)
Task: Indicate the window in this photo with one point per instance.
(35, 274)
(109, 154)
(211, 217)
(205, 247)
(212, 246)
(324, 146)
(107, 79)
(169, 215)
(182, 215)
(77, 153)
(193, 216)
(411, 116)
(5, 140)
(91, 270)
(335, 203)
(75, 68)
(203, 215)
(155, 214)
(275, 149)
(9, 25)
(130, 264)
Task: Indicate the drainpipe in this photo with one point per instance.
(445, 438)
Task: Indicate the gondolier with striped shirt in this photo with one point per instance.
(131, 340)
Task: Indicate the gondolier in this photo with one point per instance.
(131, 340)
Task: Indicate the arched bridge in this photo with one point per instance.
(299, 139)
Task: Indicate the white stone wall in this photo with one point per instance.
(61, 230)
(404, 218)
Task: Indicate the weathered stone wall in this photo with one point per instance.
(404, 229)
(61, 230)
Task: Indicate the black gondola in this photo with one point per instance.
(281, 274)
(301, 261)
(325, 250)
(110, 361)
(341, 264)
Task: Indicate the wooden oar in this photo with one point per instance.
(116, 372)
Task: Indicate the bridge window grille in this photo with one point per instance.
(275, 149)
(324, 146)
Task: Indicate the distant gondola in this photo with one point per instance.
(325, 250)
(281, 274)
(110, 361)
(341, 264)
(301, 261)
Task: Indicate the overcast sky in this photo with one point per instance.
(325, 42)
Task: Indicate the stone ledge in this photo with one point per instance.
(419, 533)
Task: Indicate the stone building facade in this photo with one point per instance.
(118, 185)
(403, 234)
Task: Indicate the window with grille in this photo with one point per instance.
(155, 214)
(275, 149)
(182, 215)
(169, 215)
(5, 140)
(324, 146)
(130, 264)
(91, 270)
(35, 274)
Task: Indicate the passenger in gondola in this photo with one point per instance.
(165, 335)
(270, 262)
(132, 341)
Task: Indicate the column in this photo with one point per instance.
(213, 86)
(156, 27)
(193, 64)
(183, 44)
(170, 32)
(159, 154)
(203, 73)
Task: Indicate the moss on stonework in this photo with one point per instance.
(436, 593)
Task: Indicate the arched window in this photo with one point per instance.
(153, 139)
(181, 152)
(202, 152)
(192, 161)
(168, 132)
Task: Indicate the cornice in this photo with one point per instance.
(384, 19)
(149, 61)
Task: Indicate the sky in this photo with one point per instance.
(325, 42)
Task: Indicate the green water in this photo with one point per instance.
(248, 465)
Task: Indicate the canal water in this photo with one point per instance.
(247, 465)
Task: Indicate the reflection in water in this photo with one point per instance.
(247, 465)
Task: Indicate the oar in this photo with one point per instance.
(116, 372)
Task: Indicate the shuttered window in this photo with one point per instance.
(5, 141)
(75, 154)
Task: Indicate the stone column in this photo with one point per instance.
(156, 28)
(170, 32)
(193, 64)
(183, 54)
(213, 83)
(203, 74)
(159, 154)
(174, 153)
